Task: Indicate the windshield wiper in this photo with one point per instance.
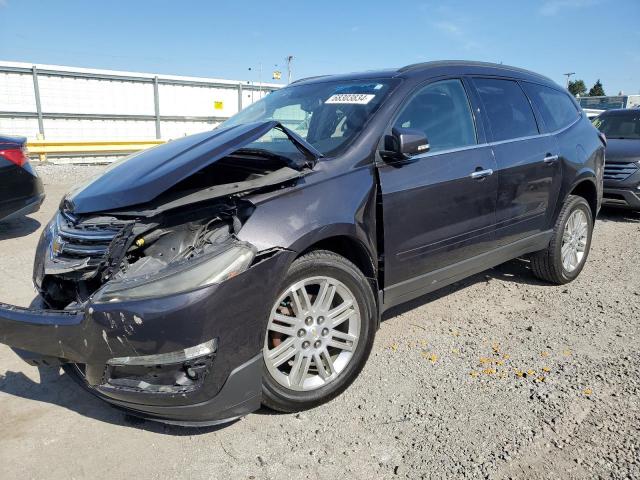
(301, 143)
(308, 150)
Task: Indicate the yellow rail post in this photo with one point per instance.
(44, 147)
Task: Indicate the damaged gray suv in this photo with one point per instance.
(251, 264)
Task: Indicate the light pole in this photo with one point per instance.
(249, 82)
(568, 75)
(289, 59)
(259, 81)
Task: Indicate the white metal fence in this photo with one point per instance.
(58, 103)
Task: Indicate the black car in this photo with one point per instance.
(21, 189)
(622, 169)
(251, 264)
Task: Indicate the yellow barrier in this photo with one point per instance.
(90, 147)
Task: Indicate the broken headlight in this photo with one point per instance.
(186, 275)
(178, 356)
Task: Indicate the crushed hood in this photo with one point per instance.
(142, 177)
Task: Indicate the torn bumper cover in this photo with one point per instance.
(187, 358)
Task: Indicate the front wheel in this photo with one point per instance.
(562, 261)
(319, 334)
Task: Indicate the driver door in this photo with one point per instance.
(438, 207)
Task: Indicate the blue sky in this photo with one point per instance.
(594, 38)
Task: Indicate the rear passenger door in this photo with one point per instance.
(527, 161)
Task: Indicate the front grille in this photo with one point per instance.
(84, 238)
(619, 170)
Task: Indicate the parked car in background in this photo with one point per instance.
(622, 168)
(251, 264)
(21, 190)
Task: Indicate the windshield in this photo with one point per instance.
(328, 115)
(625, 126)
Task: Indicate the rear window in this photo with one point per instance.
(556, 107)
(507, 109)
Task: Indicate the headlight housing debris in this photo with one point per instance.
(196, 272)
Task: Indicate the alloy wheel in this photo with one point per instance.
(312, 333)
(574, 240)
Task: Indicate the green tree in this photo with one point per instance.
(597, 90)
(577, 87)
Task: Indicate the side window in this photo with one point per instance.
(556, 107)
(507, 108)
(441, 110)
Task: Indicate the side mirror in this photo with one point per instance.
(404, 143)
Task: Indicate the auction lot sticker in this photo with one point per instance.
(351, 98)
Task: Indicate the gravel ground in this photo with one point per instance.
(499, 376)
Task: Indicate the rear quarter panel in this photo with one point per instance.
(16, 185)
(582, 156)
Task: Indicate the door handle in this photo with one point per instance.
(480, 174)
(550, 159)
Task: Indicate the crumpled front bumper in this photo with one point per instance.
(233, 313)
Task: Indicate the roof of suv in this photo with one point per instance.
(435, 68)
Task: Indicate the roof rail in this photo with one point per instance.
(435, 63)
(308, 78)
(414, 66)
(468, 63)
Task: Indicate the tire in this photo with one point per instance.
(548, 264)
(324, 278)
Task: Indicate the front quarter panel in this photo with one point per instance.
(326, 206)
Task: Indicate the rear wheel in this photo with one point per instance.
(319, 334)
(562, 261)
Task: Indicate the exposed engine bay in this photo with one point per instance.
(196, 219)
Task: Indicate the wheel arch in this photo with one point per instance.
(353, 249)
(584, 185)
(349, 247)
(586, 188)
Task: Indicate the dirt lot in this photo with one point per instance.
(498, 376)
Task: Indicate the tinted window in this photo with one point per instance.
(441, 110)
(556, 107)
(507, 108)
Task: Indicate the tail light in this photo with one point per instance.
(19, 156)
